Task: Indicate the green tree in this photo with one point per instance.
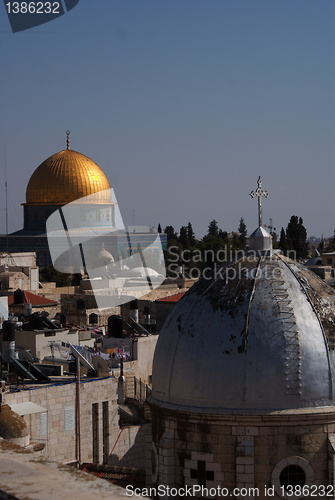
(283, 241)
(275, 242)
(183, 237)
(296, 236)
(331, 245)
(51, 274)
(242, 229)
(171, 233)
(213, 229)
(159, 230)
(190, 235)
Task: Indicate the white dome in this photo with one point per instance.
(240, 342)
(143, 272)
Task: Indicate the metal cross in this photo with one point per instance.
(259, 193)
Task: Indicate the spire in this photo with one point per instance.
(259, 193)
(68, 139)
(260, 240)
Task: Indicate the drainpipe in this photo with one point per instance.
(78, 440)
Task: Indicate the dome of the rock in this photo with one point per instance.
(65, 177)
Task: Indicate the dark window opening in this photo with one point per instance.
(202, 474)
(95, 432)
(292, 475)
(105, 431)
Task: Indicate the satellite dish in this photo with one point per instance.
(25, 355)
(100, 364)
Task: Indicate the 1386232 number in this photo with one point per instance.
(33, 7)
(310, 491)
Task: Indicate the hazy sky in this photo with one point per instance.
(183, 104)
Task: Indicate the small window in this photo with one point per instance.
(69, 418)
(43, 424)
(291, 471)
(95, 432)
(292, 475)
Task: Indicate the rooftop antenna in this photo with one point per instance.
(259, 193)
(271, 227)
(6, 197)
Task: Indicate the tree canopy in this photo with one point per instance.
(295, 238)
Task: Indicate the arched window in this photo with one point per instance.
(291, 471)
(292, 474)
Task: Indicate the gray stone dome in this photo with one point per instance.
(260, 239)
(258, 337)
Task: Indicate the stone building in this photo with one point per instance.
(69, 177)
(50, 410)
(243, 383)
(328, 259)
(18, 270)
(18, 301)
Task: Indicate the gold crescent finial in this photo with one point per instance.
(68, 139)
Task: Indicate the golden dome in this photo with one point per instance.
(65, 177)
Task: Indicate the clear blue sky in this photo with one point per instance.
(183, 104)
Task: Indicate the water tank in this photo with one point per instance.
(133, 305)
(35, 322)
(8, 340)
(19, 296)
(134, 310)
(115, 327)
(28, 309)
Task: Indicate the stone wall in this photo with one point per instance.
(51, 310)
(11, 281)
(129, 450)
(242, 451)
(56, 426)
(69, 307)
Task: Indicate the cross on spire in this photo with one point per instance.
(259, 193)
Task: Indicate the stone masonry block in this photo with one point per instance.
(216, 467)
(244, 460)
(252, 431)
(249, 469)
(191, 464)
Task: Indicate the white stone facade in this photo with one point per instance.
(102, 438)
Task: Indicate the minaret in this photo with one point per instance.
(260, 240)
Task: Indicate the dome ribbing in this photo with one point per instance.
(65, 177)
